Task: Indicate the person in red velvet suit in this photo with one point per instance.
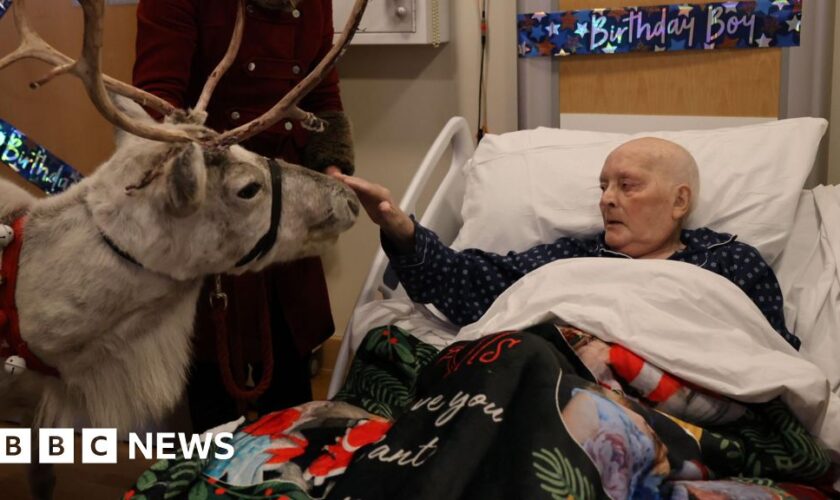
(179, 42)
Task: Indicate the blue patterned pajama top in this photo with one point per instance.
(464, 284)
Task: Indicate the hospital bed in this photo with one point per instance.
(806, 267)
(504, 195)
(443, 215)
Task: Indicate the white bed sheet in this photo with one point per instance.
(692, 323)
(809, 275)
(752, 362)
(414, 318)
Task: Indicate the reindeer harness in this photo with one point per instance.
(218, 302)
(12, 346)
(270, 237)
(218, 299)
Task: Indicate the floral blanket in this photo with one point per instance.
(548, 412)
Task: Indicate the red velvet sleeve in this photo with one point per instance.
(166, 43)
(326, 96)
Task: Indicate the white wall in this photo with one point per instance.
(399, 97)
(834, 131)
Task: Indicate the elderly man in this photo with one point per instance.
(648, 189)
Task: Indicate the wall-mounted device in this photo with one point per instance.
(397, 22)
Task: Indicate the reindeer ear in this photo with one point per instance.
(186, 181)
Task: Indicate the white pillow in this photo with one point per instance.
(529, 187)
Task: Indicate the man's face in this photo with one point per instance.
(636, 205)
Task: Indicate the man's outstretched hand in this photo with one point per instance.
(382, 210)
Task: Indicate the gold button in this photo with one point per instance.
(296, 13)
(288, 125)
(234, 115)
(252, 66)
(296, 69)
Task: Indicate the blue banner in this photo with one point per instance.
(33, 162)
(4, 6)
(722, 25)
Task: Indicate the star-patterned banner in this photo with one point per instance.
(4, 6)
(33, 162)
(722, 25)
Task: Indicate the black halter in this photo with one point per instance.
(270, 237)
(119, 251)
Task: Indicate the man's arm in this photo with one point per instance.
(166, 42)
(748, 270)
(462, 285)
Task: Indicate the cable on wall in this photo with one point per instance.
(482, 81)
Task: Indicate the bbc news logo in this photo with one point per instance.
(99, 446)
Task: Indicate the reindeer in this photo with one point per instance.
(133, 242)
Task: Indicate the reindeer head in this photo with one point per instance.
(183, 200)
(187, 210)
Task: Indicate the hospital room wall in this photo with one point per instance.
(399, 97)
(685, 89)
(637, 92)
(834, 131)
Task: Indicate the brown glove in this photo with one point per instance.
(333, 146)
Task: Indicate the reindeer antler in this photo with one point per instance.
(226, 62)
(32, 46)
(287, 107)
(88, 69)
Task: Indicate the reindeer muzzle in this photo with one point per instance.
(270, 237)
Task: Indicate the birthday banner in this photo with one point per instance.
(723, 25)
(28, 159)
(33, 162)
(4, 6)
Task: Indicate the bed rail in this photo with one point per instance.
(443, 215)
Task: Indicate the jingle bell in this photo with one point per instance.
(15, 365)
(7, 234)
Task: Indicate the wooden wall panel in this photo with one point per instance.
(59, 116)
(702, 83)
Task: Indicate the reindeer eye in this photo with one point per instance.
(249, 191)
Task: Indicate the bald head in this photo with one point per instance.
(668, 160)
(648, 188)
